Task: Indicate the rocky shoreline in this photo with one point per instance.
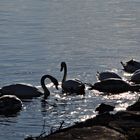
(123, 125)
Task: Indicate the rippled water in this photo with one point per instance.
(91, 35)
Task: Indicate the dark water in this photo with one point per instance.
(91, 35)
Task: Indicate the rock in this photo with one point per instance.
(123, 125)
(135, 106)
(88, 133)
(103, 108)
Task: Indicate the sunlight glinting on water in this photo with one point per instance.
(83, 118)
(89, 35)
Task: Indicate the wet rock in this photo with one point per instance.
(88, 133)
(135, 106)
(123, 125)
(103, 108)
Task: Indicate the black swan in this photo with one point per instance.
(131, 65)
(10, 104)
(114, 86)
(24, 91)
(71, 86)
(107, 74)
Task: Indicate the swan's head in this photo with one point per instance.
(63, 64)
(55, 82)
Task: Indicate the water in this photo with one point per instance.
(91, 35)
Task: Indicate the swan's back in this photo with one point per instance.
(72, 86)
(112, 85)
(134, 63)
(107, 74)
(112, 82)
(21, 91)
(72, 83)
(10, 104)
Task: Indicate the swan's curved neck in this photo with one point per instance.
(46, 91)
(64, 67)
(53, 80)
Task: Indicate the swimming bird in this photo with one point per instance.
(131, 65)
(10, 104)
(107, 74)
(24, 91)
(71, 86)
(114, 86)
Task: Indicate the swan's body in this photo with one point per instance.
(135, 78)
(107, 74)
(9, 104)
(131, 66)
(27, 91)
(71, 86)
(21, 91)
(114, 86)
